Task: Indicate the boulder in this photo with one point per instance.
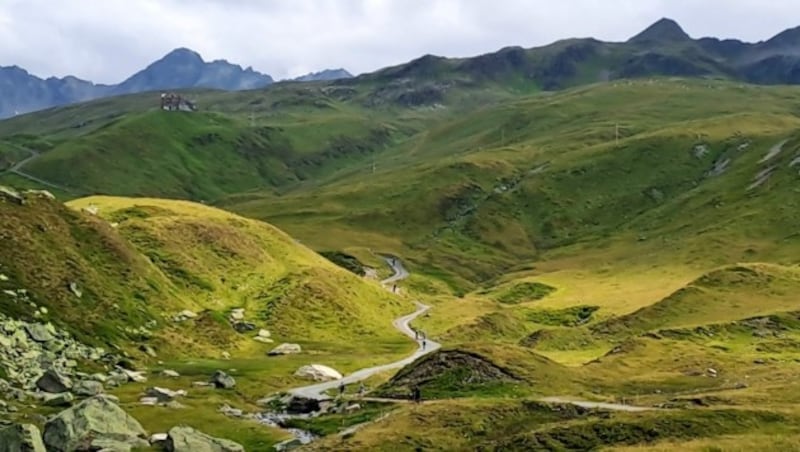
(263, 333)
(318, 372)
(187, 439)
(285, 349)
(165, 395)
(185, 315)
(132, 375)
(90, 423)
(226, 355)
(302, 405)
(263, 340)
(53, 382)
(62, 399)
(158, 439)
(228, 410)
(222, 380)
(170, 373)
(38, 332)
(21, 438)
(88, 388)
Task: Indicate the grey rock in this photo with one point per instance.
(150, 351)
(63, 399)
(149, 401)
(175, 405)
(21, 438)
(94, 420)
(53, 382)
(164, 394)
(170, 373)
(73, 287)
(38, 332)
(285, 349)
(228, 410)
(11, 195)
(41, 194)
(222, 380)
(158, 439)
(88, 388)
(187, 439)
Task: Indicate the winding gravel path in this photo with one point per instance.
(317, 391)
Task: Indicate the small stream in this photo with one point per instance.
(278, 420)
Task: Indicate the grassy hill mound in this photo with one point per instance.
(119, 277)
(727, 294)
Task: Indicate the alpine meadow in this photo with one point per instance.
(583, 246)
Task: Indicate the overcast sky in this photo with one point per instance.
(108, 40)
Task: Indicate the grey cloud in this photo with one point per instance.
(106, 41)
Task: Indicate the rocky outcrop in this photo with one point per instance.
(53, 382)
(88, 388)
(94, 424)
(285, 349)
(21, 438)
(318, 372)
(187, 439)
(222, 380)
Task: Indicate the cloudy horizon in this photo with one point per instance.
(108, 41)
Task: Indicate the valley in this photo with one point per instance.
(592, 264)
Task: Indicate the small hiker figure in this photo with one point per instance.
(341, 389)
(416, 334)
(424, 344)
(361, 390)
(394, 288)
(416, 395)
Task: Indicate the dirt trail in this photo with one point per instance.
(17, 169)
(597, 405)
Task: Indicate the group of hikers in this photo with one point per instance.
(416, 394)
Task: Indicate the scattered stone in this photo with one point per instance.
(3, 278)
(21, 438)
(318, 372)
(88, 388)
(711, 372)
(228, 410)
(263, 340)
(148, 350)
(352, 408)
(201, 384)
(91, 210)
(226, 355)
(73, 287)
(53, 382)
(237, 314)
(263, 333)
(158, 439)
(132, 375)
(89, 424)
(11, 195)
(41, 194)
(148, 401)
(222, 380)
(63, 399)
(38, 332)
(175, 405)
(170, 373)
(285, 349)
(243, 327)
(759, 361)
(164, 395)
(185, 315)
(101, 378)
(187, 439)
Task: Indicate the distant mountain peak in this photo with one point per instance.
(183, 55)
(788, 38)
(665, 30)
